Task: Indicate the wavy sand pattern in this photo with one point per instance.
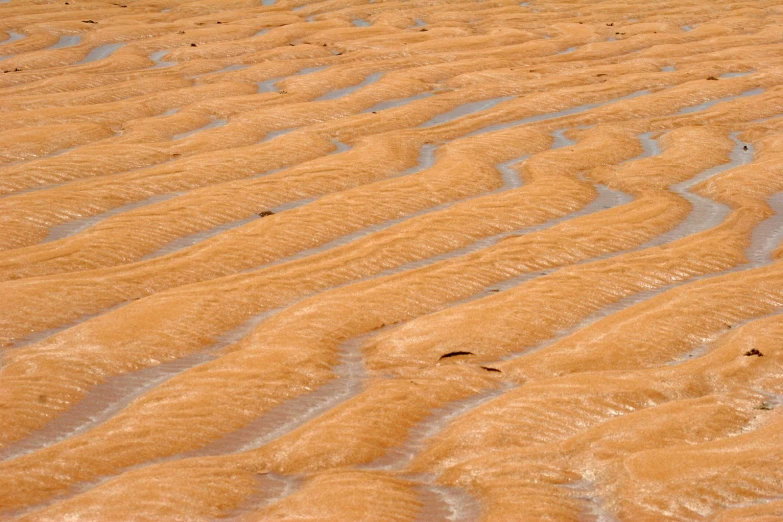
(391, 260)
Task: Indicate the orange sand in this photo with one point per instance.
(547, 204)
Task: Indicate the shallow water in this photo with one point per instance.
(12, 37)
(269, 85)
(157, 57)
(100, 52)
(211, 125)
(339, 93)
(550, 116)
(710, 103)
(67, 41)
(705, 212)
(236, 67)
(515, 284)
(463, 110)
(75, 226)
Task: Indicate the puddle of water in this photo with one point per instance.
(268, 2)
(274, 134)
(261, 32)
(339, 93)
(667, 68)
(100, 52)
(443, 503)
(341, 147)
(464, 110)
(511, 177)
(44, 334)
(77, 225)
(650, 146)
(358, 22)
(116, 393)
(157, 56)
(198, 237)
(553, 115)
(66, 41)
(237, 67)
(426, 160)
(769, 234)
(561, 140)
(397, 103)
(705, 214)
(400, 457)
(212, 125)
(269, 85)
(292, 204)
(708, 104)
(569, 50)
(419, 22)
(12, 37)
(687, 28)
(59, 152)
(298, 411)
(170, 112)
(45, 156)
(699, 351)
(735, 74)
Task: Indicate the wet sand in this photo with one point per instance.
(382, 260)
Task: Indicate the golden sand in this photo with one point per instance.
(391, 260)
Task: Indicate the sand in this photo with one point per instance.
(391, 260)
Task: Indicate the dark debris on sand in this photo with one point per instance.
(454, 354)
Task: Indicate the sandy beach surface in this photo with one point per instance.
(391, 260)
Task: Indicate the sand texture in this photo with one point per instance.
(391, 260)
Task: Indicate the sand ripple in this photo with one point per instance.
(383, 260)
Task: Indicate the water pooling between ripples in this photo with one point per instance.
(426, 160)
(339, 93)
(67, 41)
(12, 37)
(269, 85)
(391, 45)
(100, 52)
